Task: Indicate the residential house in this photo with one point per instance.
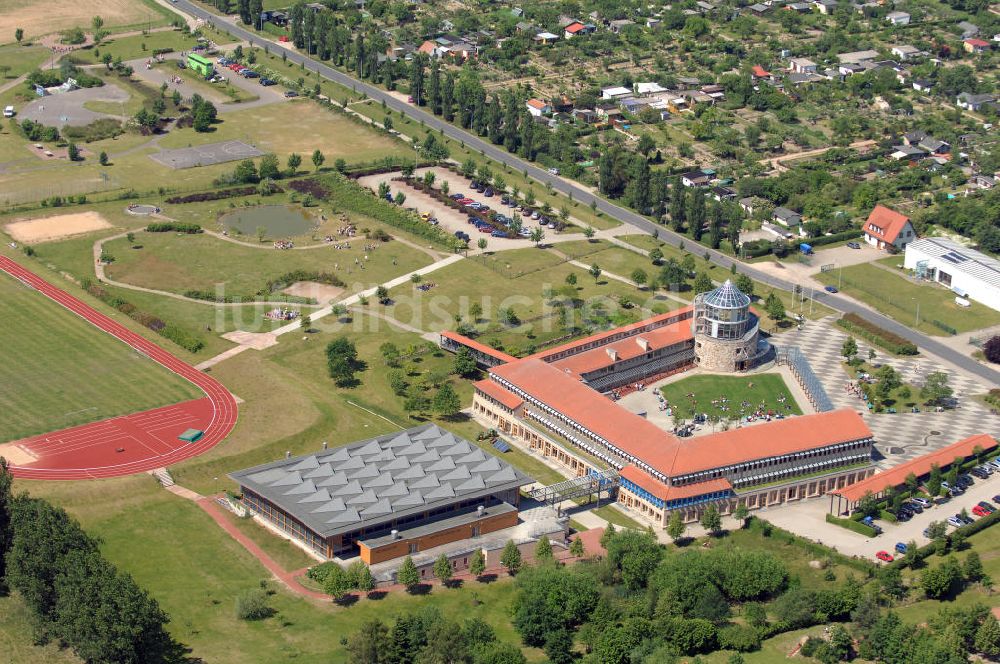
(969, 30)
(705, 7)
(617, 25)
(800, 78)
(751, 204)
(914, 137)
(525, 26)
(907, 152)
(905, 51)
(652, 23)
(799, 7)
(976, 45)
(575, 28)
(698, 178)
(934, 146)
(633, 105)
(723, 193)
(850, 68)
(887, 228)
(616, 92)
(538, 108)
(587, 115)
(546, 38)
(825, 6)
(315, 7)
(760, 73)
(429, 48)
(981, 181)
(923, 85)
(786, 217)
(858, 56)
(898, 18)
(759, 9)
(802, 66)
(973, 102)
(647, 89)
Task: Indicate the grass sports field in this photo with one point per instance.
(755, 389)
(41, 17)
(63, 372)
(891, 293)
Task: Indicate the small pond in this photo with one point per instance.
(277, 220)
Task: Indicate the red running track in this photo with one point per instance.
(91, 451)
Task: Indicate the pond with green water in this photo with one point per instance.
(277, 220)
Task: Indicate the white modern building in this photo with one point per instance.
(970, 274)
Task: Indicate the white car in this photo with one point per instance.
(554, 171)
(8, 112)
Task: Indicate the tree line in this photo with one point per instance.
(75, 596)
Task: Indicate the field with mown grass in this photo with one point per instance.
(60, 371)
(755, 389)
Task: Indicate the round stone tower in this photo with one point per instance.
(726, 332)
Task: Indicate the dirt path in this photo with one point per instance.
(778, 163)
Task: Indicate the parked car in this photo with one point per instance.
(979, 511)
(488, 192)
(996, 499)
(964, 519)
(457, 196)
(884, 556)
(266, 82)
(986, 506)
(995, 463)
(831, 289)
(915, 507)
(955, 521)
(554, 171)
(291, 93)
(853, 245)
(923, 502)
(900, 547)
(980, 473)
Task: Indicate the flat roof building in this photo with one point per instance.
(386, 497)
(969, 273)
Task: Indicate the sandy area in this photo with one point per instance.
(47, 229)
(41, 17)
(16, 455)
(322, 293)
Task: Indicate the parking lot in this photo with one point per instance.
(808, 520)
(449, 218)
(167, 72)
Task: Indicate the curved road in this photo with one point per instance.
(224, 408)
(565, 187)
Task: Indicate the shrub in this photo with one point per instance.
(97, 130)
(252, 605)
(219, 195)
(856, 526)
(880, 337)
(180, 337)
(173, 226)
(739, 637)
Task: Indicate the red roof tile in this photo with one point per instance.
(634, 328)
(760, 72)
(759, 441)
(896, 475)
(885, 224)
(626, 349)
(978, 43)
(537, 103)
(575, 27)
(664, 492)
(475, 345)
(565, 393)
(496, 391)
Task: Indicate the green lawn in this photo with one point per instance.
(60, 371)
(137, 46)
(195, 571)
(755, 389)
(178, 263)
(16, 637)
(894, 295)
(22, 59)
(315, 128)
(615, 516)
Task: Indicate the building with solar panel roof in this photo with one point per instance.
(970, 274)
(386, 497)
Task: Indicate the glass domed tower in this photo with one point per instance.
(726, 332)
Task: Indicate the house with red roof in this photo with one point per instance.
(759, 72)
(538, 108)
(576, 28)
(976, 46)
(887, 228)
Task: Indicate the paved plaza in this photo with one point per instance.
(899, 436)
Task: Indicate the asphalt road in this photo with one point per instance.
(841, 304)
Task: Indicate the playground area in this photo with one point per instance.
(47, 229)
(206, 155)
(67, 108)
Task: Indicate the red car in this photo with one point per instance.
(884, 556)
(979, 511)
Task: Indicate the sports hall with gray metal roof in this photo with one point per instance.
(385, 478)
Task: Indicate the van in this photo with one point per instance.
(8, 112)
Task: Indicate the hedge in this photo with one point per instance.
(171, 226)
(179, 336)
(219, 195)
(886, 515)
(928, 550)
(856, 526)
(834, 237)
(882, 338)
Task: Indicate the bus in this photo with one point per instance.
(200, 64)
